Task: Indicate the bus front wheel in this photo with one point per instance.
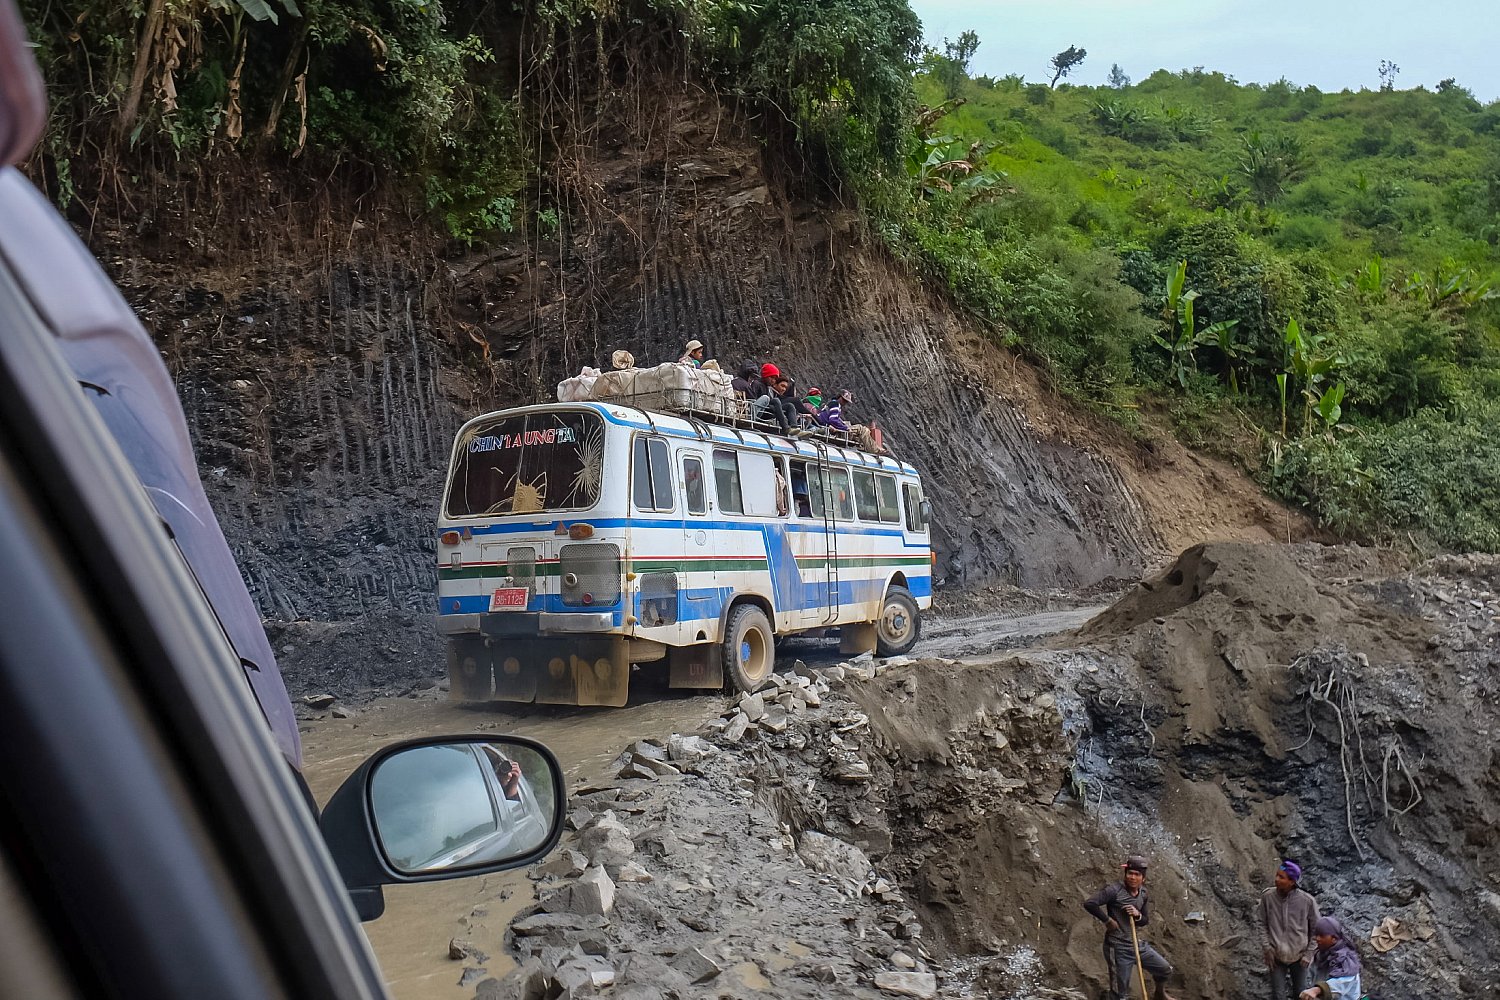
(900, 623)
(749, 649)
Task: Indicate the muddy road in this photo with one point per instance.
(929, 827)
(412, 939)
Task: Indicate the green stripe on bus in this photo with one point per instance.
(489, 572)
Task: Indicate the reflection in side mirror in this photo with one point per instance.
(452, 806)
(443, 807)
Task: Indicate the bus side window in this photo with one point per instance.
(692, 482)
(913, 508)
(843, 502)
(802, 496)
(864, 495)
(652, 475)
(889, 510)
(640, 471)
(727, 481)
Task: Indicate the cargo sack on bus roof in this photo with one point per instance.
(669, 387)
(578, 388)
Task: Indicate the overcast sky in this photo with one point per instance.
(1331, 44)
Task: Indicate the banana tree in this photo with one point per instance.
(1310, 361)
(1182, 339)
(161, 40)
(1330, 404)
(944, 164)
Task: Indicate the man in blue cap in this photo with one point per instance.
(1288, 917)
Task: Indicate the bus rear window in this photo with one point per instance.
(528, 464)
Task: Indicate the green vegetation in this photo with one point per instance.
(402, 86)
(1317, 266)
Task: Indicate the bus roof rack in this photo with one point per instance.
(731, 412)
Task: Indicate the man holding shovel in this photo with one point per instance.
(1123, 908)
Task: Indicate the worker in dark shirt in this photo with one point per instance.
(1117, 905)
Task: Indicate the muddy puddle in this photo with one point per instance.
(411, 939)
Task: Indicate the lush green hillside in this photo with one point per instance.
(1345, 336)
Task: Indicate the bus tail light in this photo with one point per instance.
(580, 531)
(450, 538)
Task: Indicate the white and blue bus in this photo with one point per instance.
(577, 539)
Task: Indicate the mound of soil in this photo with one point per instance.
(1229, 712)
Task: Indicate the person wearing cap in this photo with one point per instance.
(832, 414)
(1287, 917)
(692, 354)
(1117, 905)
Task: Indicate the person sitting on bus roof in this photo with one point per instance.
(833, 414)
(808, 405)
(783, 398)
(692, 354)
(747, 382)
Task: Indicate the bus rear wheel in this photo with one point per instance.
(900, 624)
(749, 649)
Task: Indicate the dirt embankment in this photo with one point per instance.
(1234, 710)
(328, 344)
(946, 819)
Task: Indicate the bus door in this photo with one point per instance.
(694, 661)
(813, 531)
(656, 545)
(700, 587)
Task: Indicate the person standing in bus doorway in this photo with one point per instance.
(1125, 903)
(692, 354)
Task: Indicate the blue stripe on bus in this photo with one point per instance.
(706, 603)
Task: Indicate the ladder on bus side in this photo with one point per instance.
(830, 535)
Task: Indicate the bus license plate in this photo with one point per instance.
(509, 599)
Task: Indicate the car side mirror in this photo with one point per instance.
(926, 509)
(443, 807)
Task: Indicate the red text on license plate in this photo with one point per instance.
(509, 599)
